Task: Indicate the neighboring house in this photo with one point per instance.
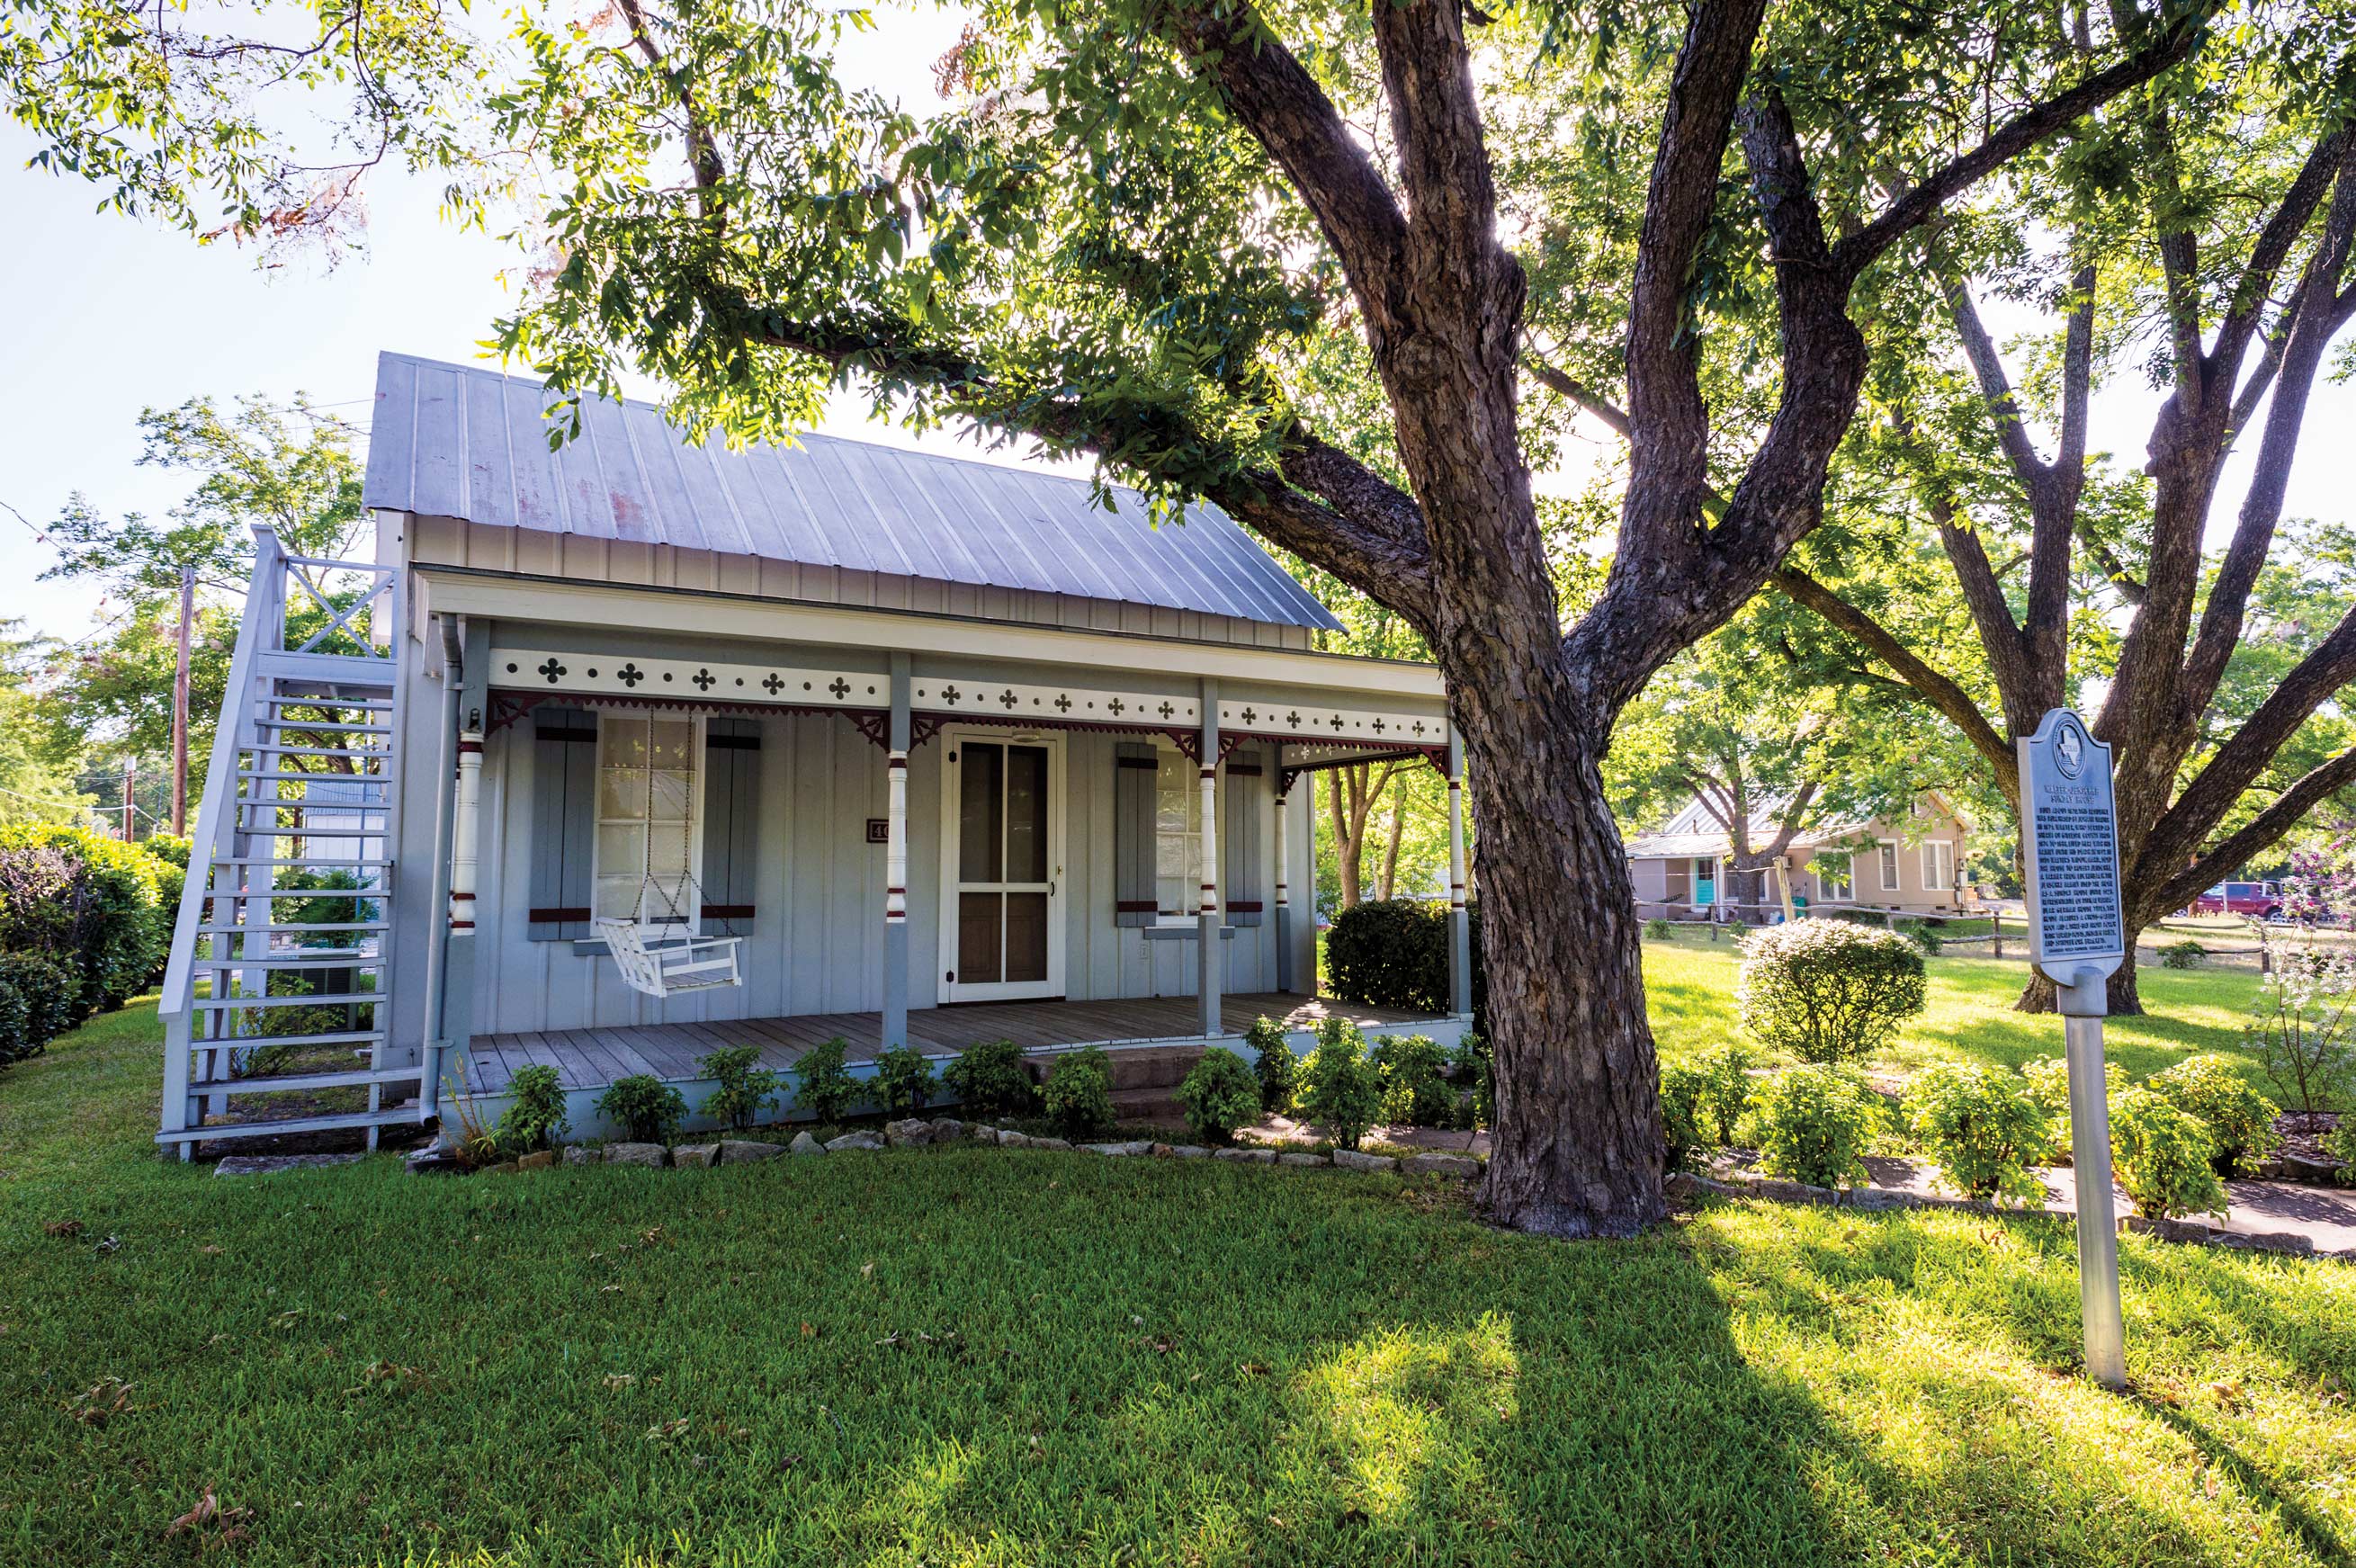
(1685, 870)
(951, 751)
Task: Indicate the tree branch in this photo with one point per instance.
(2261, 833)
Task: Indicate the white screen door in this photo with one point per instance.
(1002, 872)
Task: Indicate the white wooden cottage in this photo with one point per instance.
(671, 747)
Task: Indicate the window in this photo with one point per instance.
(1938, 866)
(648, 795)
(1889, 865)
(1177, 837)
(1835, 877)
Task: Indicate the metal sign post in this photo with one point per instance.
(2068, 834)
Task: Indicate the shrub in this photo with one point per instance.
(2240, 1121)
(822, 1084)
(90, 903)
(1659, 930)
(745, 1086)
(1828, 990)
(1342, 1094)
(904, 1080)
(1392, 952)
(650, 1109)
(1414, 1091)
(1079, 1093)
(1920, 933)
(1982, 1129)
(2047, 1080)
(170, 850)
(989, 1079)
(2162, 1155)
(2340, 1145)
(1278, 1070)
(2304, 1033)
(1726, 1091)
(36, 1004)
(2182, 955)
(1682, 1124)
(1220, 1094)
(1471, 1061)
(1814, 1125)
(535, 1118)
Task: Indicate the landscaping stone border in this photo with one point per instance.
(919, 1132)
(2193, 1232)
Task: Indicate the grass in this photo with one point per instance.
(963, 1355)
(1689, 983)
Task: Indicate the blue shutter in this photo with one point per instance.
(1134, 765)
(563, 822)
(1243, 877)
(732, 815)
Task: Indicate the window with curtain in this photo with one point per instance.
(648, 792)
(1177, 835)
(1938, 866)
(1889, 866)
(1835, 875)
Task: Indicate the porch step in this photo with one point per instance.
(1160, 1069)
(396, 1116)
(358, 1078)
(1147, 1105)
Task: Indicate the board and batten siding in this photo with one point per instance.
(815, 944)
(450, 541)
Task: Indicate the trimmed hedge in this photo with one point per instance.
(1392, 952)
(90, 904)
(1827, 992)
(36, 1004)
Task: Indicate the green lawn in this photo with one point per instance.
(1690, 983)
(968, 1356)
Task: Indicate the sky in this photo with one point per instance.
(108, 316)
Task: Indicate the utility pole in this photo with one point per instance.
(129, 828)
(180, 705)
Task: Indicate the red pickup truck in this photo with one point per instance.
(2262, 899)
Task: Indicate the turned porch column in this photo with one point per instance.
(1460, 920)
(895, 862)
(1209, 974)
(1283, 896)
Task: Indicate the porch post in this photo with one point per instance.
(1283, 897)
(895, 862)
(1209, 972)
(458, 951)
(1459, 922)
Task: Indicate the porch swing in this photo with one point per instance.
(660, 957)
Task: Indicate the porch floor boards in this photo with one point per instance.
(586, 1059)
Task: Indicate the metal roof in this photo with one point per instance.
(468, 442)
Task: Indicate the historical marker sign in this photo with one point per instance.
(2069, 830)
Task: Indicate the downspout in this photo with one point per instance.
(436, 1041)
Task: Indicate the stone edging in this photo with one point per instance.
(914, 1133)
(2197, 1232)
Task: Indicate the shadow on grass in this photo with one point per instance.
(2313, 1532)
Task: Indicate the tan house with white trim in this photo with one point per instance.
(1909, 865)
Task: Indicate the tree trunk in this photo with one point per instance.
(1388, 885)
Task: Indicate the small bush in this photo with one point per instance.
(1815, 1126)
(1659, 930)
(88, 902)
(906, 1080)
(535, 1118)
(1277, 1070)
(1826, 991)
(2241, 1120)
(1415, 1091)
(2340, 1145)
(1343, 1095)
(1472, 1063)
(1392, 952)
(745, 1086)
(1079, 1093)
(36, 1004)
(1683, 1131)
(989, 1079)
(1220, 1094)
(2182, 955)
(648, 1108)
(822, 1084)
(1982, 1129)
(1922, 935)
(2304, 1028)
(2162, 1155)
(1726, 1091)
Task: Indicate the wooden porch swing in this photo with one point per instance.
(660, 957)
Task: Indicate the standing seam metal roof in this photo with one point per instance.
(468, 442)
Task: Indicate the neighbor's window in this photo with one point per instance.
(1938, 866)
(1177, 836)
(646, 794)
(1835, 875)
(1889, 866)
